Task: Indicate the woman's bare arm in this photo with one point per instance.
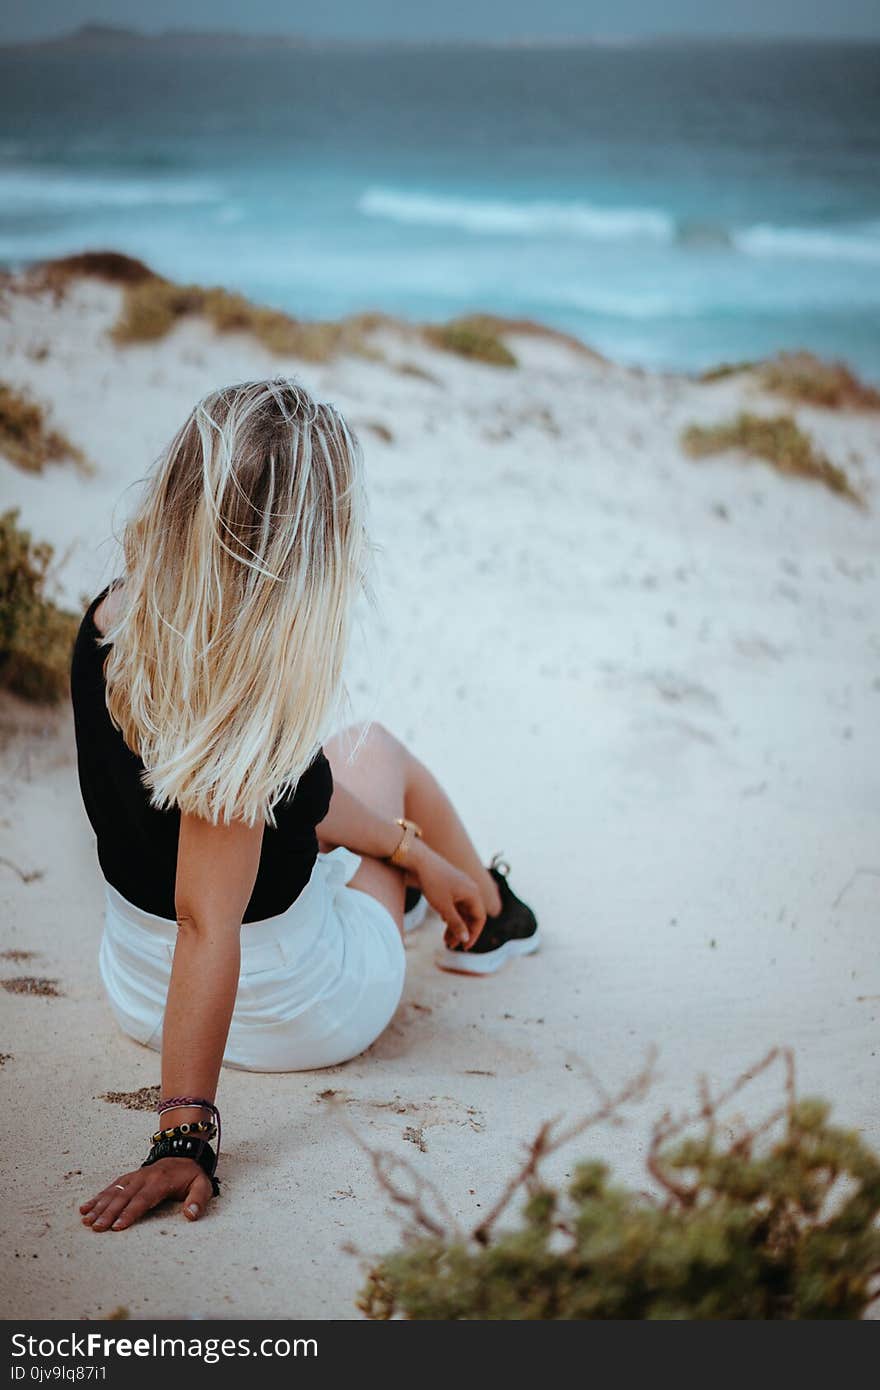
(351, 822)
(450, 892)
(216, 871)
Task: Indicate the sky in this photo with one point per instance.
(467, 19)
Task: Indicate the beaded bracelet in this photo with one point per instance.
(206, 1128)
(194, 1102)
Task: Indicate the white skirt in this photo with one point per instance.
(318, 983)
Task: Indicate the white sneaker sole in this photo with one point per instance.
(413, 919)
(467, 963)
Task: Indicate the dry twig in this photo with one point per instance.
(546, 1142)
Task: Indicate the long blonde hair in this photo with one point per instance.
(242, 564)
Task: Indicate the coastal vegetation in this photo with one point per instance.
(777, 440)
(775, 1220)
(153, 305)
(26, 438)
(482, 336)
(152, 308)
(36, 636)
(805, 379)
(471, 336)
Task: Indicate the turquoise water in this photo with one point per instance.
(673, 205)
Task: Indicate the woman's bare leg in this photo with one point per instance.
(390, 779)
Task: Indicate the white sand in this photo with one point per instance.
(665, 716)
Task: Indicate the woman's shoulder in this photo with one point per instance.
(104, 607)
(88, 653)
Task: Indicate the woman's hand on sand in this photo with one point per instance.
(130, 1197)
(452, 894)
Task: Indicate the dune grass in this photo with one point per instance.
(805, 379)
(152, 308)
(482, 336)
(413, 369)
(153, 305)
(808, 380)
(473, 336)
(25, 437)
(724, 370)
(36, 636)
(110, 266)
(779, 441)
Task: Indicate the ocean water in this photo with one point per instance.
(674, 205)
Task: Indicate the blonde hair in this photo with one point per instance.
(242, 564)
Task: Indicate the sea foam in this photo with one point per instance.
(48, 189)
(502, 217)
(855, 243)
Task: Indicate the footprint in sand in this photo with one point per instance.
(416, 1024)
(424, 1114)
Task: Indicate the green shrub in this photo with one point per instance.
(775, 1222)
(471, 337)
(498, 326)
(778, 441)
(481, 336)
(36, 637)
(26, 439)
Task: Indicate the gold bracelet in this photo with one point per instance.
(411, 831)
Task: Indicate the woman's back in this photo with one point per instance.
(136, 843)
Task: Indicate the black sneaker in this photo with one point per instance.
(512, 932)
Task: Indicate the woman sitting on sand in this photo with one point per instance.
(256, 877)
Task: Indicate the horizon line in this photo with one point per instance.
(109, 31)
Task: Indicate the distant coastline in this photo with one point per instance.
(114, 38)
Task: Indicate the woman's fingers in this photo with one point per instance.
(197, 1198)
(456, 930)
(123, 1203)
(98, 1204)
(111, 1210)
(475, 913)
(95, 1205)
(466, 918)
(138, 1206)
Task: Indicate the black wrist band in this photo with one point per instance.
(187, 1147)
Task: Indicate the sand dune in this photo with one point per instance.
(653, 683)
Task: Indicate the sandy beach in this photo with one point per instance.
(652, 682)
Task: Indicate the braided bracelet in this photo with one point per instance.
(187, 1102)
(187, 1147)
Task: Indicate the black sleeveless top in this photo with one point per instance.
(137, 844)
